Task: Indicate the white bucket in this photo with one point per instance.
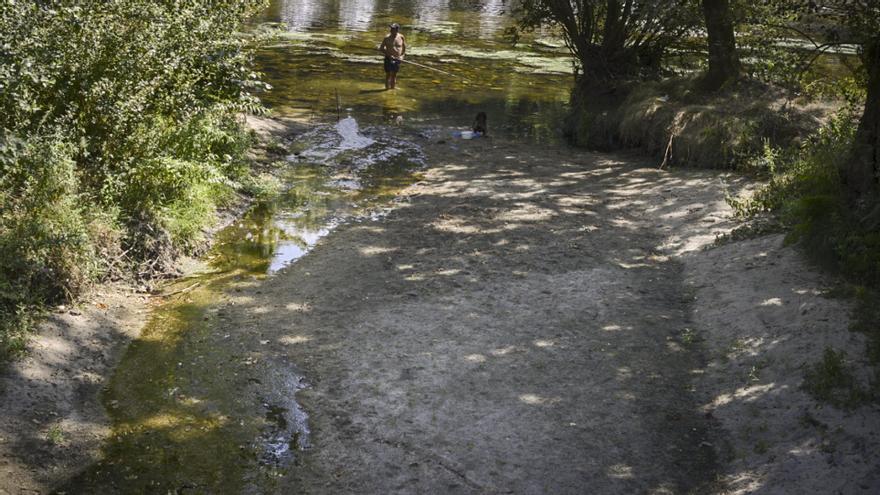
(467, 134)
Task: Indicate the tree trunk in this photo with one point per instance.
(861, 173)
(723, 61)
(613, 38)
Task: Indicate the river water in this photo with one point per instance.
(181, 423)
(327, 59)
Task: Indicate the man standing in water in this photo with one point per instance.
(394, 48)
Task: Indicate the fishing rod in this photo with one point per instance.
(435, 69)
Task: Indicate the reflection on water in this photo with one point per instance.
(328, 61)
(486, 17)
(339, 175)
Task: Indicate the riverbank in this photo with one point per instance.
(526, 318)
(52, 420)
(540, 319)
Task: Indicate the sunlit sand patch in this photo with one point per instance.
(744, 394)
(620, 471)
(573, 211)
(376, 250)
(298, 307)
(773, 301)
(560, 183)
(505, 173)
(39, 372)
(449, 272)
(475, 358)
(57, 346)
(577, 201)
(512, 196)
(526, 213)
(503, 351)
(544, 343)
(624, 373)
(630, 266)
(456, 226)
(294, 339)
(527, 62)
(537, 400)
(241, 300)
(622, 222)
(439, 27)
(261, 310)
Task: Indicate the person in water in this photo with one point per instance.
(394, 49)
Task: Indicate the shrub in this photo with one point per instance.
(831, 380)
(806, 192)
(46, 252)
(119, 132)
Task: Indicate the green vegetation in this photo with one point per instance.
(55, 435)
(119, 137)
(787, 90)
(832, 380)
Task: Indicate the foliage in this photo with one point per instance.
(806, 191)
(610, 38)
(832, 380)
(118, 126)
(866, 319)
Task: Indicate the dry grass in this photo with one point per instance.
(682, 126)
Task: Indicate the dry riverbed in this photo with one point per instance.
(527, 319)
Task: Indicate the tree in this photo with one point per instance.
(724, 63)
(830, 23)
(612, 38)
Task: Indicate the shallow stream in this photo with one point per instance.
(180, 421)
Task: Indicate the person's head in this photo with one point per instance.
(395, 27)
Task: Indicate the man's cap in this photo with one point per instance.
(395, 25)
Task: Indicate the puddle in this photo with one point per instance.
(286, 431)
(340, 174)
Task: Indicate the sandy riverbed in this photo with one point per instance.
(526, 319)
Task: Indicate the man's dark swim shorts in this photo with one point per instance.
(391, 65)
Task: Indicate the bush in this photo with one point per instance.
(45, 247)
(807, 194)
(119, 132)
(46, 251)
(832, 380)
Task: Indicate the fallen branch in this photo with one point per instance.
(667, 155)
